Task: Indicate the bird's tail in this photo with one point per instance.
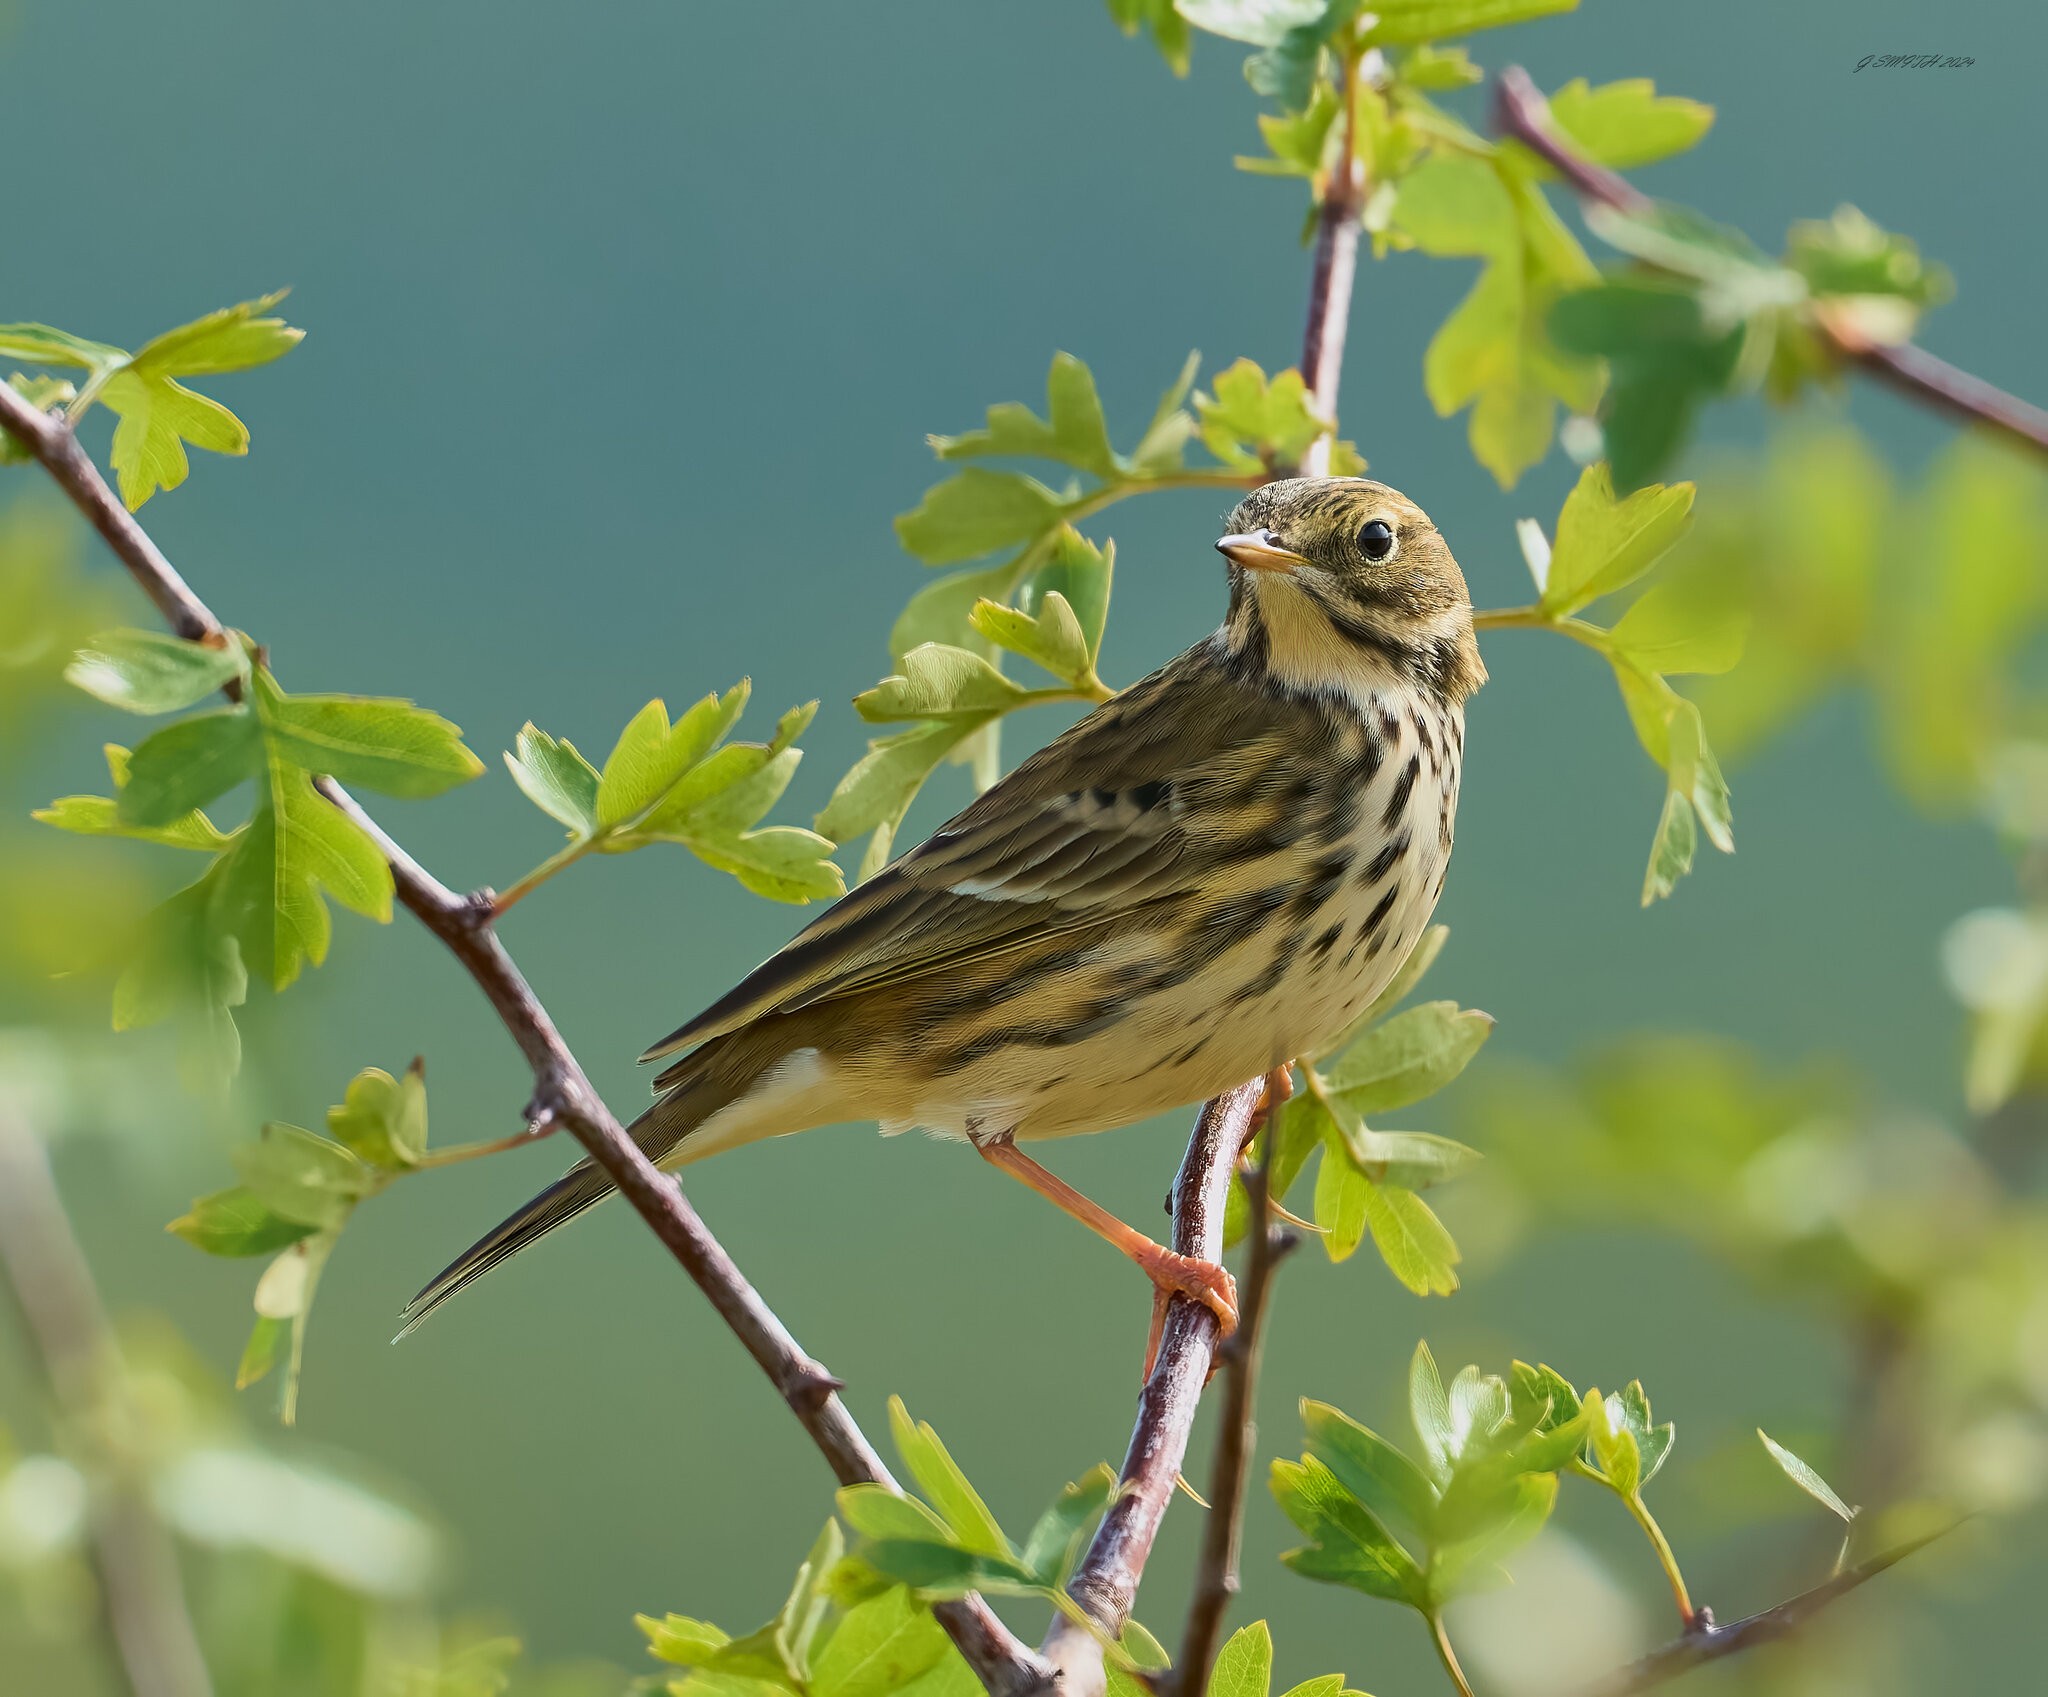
(702, 1084)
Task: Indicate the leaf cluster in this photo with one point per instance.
(298, 1190)
(1425, 1529)
(157, 415)
(681, 783)
(260, 905)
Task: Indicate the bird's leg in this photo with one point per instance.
(1171, 1273)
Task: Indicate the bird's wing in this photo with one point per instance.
(1090, 827)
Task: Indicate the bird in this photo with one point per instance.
(1210, 875)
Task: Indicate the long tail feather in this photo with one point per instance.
(698, 1086)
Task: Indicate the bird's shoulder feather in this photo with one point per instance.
(1091, 826)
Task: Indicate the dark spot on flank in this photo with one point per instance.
(1103, 798)
(1327, 941)
(1149, 796)
(1378, 917)
(1387, 859)
(1404, 787)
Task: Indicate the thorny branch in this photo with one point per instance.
(1106, 1582)
(563, 1096)
(1521, 111)
(134, 1558)
(1704, 1641)
(1216, 1580)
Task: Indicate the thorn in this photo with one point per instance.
(1280, 1213)
(814, 1386)
(1180, 1483)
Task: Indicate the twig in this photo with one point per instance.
(133, 1554)
(1106, 1582)
(1331, 275)
(1216, 1581)
(1521, 111)
(563, 1096)
(1706, 1642)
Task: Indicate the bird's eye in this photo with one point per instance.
(1377, 539)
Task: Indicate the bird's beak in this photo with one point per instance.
(1258, 552)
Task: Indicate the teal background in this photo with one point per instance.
(626, 325)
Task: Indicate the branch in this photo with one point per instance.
(1331, 275)
(1521, 111)
(563, 1097)
(133, 1555)
(1706, 1642)
(1106, 1582)
(1216, 1579)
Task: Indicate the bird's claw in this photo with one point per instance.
(1173, 1274)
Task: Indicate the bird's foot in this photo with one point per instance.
(1173, 1274)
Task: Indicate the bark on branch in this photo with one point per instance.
(563, 1096)
(1521, 111)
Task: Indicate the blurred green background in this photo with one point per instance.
(626, 325)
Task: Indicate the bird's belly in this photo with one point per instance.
(1286, 991)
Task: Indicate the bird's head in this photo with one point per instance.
(1336, 579)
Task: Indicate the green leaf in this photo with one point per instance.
(1072, 431)
(100, 816)
(940, 611)
(302, 1176)
(1453, 204)
(236, 1222)
(555, 778)
(1415, 1160)
(1629, 1409)
(875, 1511)
(1371, 1469)
(1053, 640)
(939, 683)
(1244, 1666)
(785, 863)
(1674, 627)
(1475, 1562)
(189, 763)
(1340, 1202)
(1350, 1547)
(1604, 544)
(681, 1640)
(1401, 22)
(640, 768)
(381, 1119)
(157, 418)
(186, 964)
(945, 1487)
(1613, 1445)
(878, 789)
(879, 1647)
(259, 1355)
(39, 344)
(1169, 29)
(1625, 124)
(1159, 449)
(150, 672)
(232, 339)
(1411, 1056)
(976, 513)
(1545, 1388)
(296, 851)
(1411, 1240)
(1665, 358)
(374, 742)
(1806, 1478)
(1251, 423)
(1081, 574)
(1055, 1541)
(1671, 849)
(1430, 1409)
